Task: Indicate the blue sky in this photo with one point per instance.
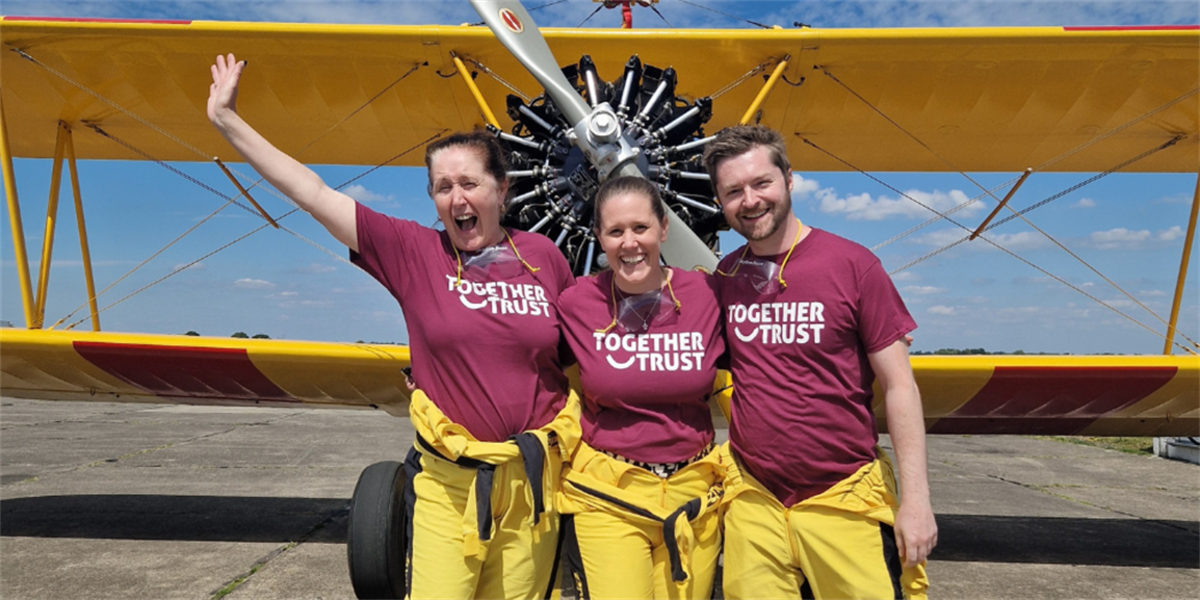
(1130, 227)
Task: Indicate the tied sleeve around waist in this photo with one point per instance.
(540, 451)
(594, 487)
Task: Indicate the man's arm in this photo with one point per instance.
(333, 209)
(916, 530)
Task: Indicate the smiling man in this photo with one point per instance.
(812, 320)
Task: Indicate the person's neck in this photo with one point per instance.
(779, 242)
(629, 288)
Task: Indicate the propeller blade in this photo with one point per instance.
(512, 25)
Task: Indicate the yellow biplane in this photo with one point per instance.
(990, 99)
(993, 99)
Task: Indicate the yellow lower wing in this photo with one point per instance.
(1058, 395)
(110, 367)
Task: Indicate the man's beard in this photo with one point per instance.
(778, 215)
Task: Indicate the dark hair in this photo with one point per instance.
(627, 184)
(740, 139)
(485, 146)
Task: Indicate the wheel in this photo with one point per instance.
(375, 544)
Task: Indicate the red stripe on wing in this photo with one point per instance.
(1051, 400)
(183, 371)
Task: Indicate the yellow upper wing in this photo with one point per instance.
(980, 99)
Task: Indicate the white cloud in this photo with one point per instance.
(803, 188)
(923, 290)
(288, 294)
(317, 268)
(1174, 199)
(1023, 240)
(1129, 239)
(1085, 203)
(364, 195)
(862, 207)
(253, 284)
(906, 276)
(1169, 235)
(184, 266)
(945, 311)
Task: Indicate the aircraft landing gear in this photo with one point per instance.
(375, 533)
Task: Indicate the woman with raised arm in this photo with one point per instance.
(643, 485)
(492, 408)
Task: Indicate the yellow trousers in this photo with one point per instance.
(838, 544)
(482, 522)
(632, 534)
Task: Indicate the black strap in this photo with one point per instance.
(692, 508)
(483, 500)
(533, 454)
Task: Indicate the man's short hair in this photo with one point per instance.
(740, 139)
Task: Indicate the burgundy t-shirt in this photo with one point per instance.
(485, 351)
(646, 393)
(801, 403)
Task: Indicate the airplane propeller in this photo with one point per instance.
(601, 133)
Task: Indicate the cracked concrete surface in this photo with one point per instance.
(158, 501)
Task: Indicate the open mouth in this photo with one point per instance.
(633, 260)
(466, 223)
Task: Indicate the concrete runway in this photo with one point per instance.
(157, 501)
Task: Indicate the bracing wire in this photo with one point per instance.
(239, 239)
(229, 200)
(1020, 214)
(589, 17)
(761, 67)
(755, 23)
(660, 15)
(1046, 164)
(512, 88)
(993, 243)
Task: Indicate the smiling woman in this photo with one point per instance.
(480, 302)
(647, 339)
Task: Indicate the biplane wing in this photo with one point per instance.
(992, 99)
(117, 367)
(1063, 395)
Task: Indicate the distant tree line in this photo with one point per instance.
(240, 335)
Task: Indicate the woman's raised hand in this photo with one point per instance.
(222, 94)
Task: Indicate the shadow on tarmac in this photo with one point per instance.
(1043, 540)
(173, 518)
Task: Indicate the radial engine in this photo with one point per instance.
(552, 182)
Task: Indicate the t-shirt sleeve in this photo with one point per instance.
(714, 287)
(565, 278)
(382, 246)
(882, 318)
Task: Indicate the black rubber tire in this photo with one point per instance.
(375, 545)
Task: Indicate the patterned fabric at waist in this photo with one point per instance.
(663, 470)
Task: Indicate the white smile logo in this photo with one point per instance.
(470, 305)
(620, 366)
(745, 338)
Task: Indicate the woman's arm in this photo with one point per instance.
(333, 209)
